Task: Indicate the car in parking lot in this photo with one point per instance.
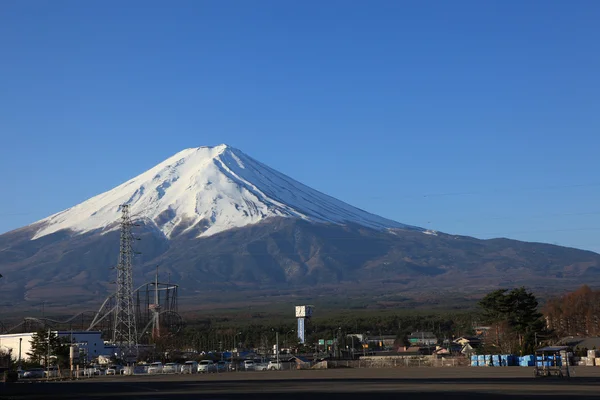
(190, 367)
(260, 366)
(275, 365)
(224, 366)
(155, 368)
(248, 365)
(171, 368)
(51, 372)
(206, 366)
(34, 373)
(114, 370)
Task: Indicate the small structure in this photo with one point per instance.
(301, 362)
(422, 339)
(89, 344)
(552, 361)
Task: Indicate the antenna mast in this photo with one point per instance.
(155, 309)
(125, 332)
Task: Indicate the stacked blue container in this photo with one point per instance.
(554, 361)
(527, 361)
(481, 360)
(474, 362)
(496, 360)
(507, 360)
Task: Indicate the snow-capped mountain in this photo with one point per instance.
(209, 189)
(289, 239)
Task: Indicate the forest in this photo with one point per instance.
(224, 333)
(574, 314)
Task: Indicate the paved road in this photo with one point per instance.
(347, 384)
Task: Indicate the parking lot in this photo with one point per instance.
(419, 383)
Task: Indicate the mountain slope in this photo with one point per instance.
(228, 228)
(285, 256)
(209, 190)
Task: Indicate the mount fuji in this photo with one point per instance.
(229, 229)
(209, 190)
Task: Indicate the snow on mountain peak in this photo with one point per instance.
(209, 189)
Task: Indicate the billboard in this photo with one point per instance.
(304, 311)
(301, 330)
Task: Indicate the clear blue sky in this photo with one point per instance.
(470, 117)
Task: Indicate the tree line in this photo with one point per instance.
(215, 334)
(574, 314)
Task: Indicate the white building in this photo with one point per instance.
(90, 343)
(12, 342)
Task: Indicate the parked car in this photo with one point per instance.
(260, 366)
(223, 366)
(274, 366)
(51, 372)
(34, 373)
(248, 365)
(190, 367)
(155, 368)
(207, 366)
(114, 370)
(171, 368)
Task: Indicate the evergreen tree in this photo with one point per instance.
(523, 315)
(513, 315)
(59, 348)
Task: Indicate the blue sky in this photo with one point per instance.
(471, 117)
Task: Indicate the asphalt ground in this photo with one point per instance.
(483, 383)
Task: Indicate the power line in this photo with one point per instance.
(535, 231)
(14, 214)
(513, 217)
(497, 190)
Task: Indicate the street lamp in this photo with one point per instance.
(286, 338)
(276, 346)
(235, 343)
(339, 349)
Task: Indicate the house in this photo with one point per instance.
(578, 342)
(381, 342)
(409, 351)
(422, 339)
(301, 362)
(473, 341)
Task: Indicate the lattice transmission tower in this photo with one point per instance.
(125, 330)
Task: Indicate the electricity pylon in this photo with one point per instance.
(125, 332)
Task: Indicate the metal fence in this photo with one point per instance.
(396, 362)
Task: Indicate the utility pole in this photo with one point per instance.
(48, 357)
(125, 330)
(155, 309)
(277, 347)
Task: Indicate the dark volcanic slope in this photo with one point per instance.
(286, 254)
